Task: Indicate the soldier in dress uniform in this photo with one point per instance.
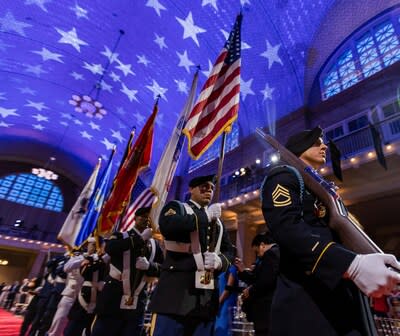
(185, 301)
(93, 271)
(134, 257)
(314, 293)
(69, 294)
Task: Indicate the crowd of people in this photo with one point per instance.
(303, 280)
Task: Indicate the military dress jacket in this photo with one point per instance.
(311, 297)
(175, 293)
(109, 300)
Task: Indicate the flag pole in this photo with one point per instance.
(220, 166)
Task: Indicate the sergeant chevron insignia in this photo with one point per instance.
(170, 212)
(281, 196)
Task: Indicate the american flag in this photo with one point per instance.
(141, 197)
(217, 106)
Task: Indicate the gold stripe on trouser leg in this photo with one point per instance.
(92, 325)
(153, 323)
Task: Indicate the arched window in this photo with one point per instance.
(369, 50)
(31, 190)
(232, 141)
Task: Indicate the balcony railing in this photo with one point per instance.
(361, 140)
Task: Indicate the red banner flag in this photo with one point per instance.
(137, 159)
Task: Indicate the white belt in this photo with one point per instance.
(98, 284)
(59, 279)
(115, 273)
(87, 284)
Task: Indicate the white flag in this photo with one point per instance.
(72, 225)
(169, 160)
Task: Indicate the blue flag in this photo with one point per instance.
(95, 204)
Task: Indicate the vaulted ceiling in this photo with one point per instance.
(110, 59)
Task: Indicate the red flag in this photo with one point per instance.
(218, 104)
(137, 159)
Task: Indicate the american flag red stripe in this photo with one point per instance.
(145, 199)
(218, 103)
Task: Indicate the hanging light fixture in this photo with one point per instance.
(87, 105)
(46, 173)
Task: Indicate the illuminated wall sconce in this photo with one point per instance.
(18, 223)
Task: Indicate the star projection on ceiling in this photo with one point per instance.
(54, 52)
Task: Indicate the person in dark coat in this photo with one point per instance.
(55, 296)
(184, 302)
(14, 289)
(45, 293)
(257, 297)
(34, 287)
(315, 292)
(135, 256)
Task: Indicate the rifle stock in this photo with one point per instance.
(350, 234)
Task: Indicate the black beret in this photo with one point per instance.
(199, 180)
(300, 142)
(143, 211)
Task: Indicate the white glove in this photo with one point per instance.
(212, 261)
(371, 275)
(213, 211)
(142, 263)
(147, 233)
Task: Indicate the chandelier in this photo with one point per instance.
(46, 174)
(87, 105)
